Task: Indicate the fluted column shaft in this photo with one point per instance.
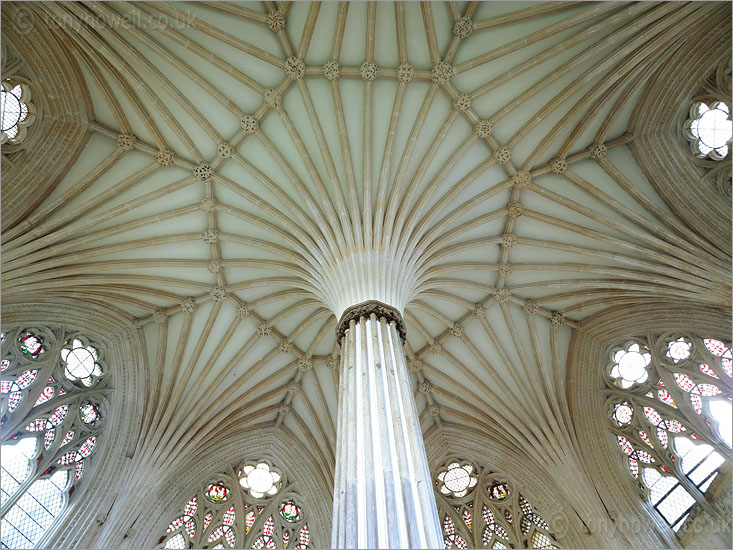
(383, 496)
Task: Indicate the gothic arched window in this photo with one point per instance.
(482, 509)
(670, 411)
(709, 130)
(54, 402)
(251, 506)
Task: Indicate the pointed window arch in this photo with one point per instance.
(253, 505)
(52, 422)
(670, 412)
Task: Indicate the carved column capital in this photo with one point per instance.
(365, 309)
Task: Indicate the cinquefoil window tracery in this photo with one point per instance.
(51, 424)
(479, 508)
(251, 506)
(709, 130)
(670, 411)
(16, 110)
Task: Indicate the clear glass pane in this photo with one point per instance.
(675, 505)
(28, 519)
(16, 465)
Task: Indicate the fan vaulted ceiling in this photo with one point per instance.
(474, 155)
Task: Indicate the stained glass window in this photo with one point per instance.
(16, 110)
(670, 413)
(457, 479)
(51, 425)
(259, 481)
(81, 362)
(709, 130)
(249, 492)
(480, 508)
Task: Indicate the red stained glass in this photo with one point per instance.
(509, 517)
(645, 437)
(727, 366)
(708, 389)
(5, 386)
(286, 538)
(31, 345)
(14, 400)
(305, 536)
(216, 533)
(46, 394)
(684, 381)
(67, 458)
(87, 447)
(662, 437)
(79, 469)
(190, 527)
(664, 396)
(48, 438)
(652, 415)
(499, 491)
(540, 522)
(231, 537)
(175, 524)
(716, 347)
(229, 517)
(290, 511)
(526, 507)
(644, 456)
(249, 520)
(487, 514)
(448, 526)
(4, 364)
(696, 401)
(37, 425)
(264, 542)
(217, 492)
(467, 518)
(268, 527)
(207, 519)
(190, 508)
(707, 370)
(68, 437)
(634, 467)
(500, 531)
(26, 378)
(674, 426)
(625, 445)
(58, 415)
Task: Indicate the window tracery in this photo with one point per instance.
(251, 506)
(670, 411)
(479, 508)
(709, 130)
(16, 110)
(51, 425)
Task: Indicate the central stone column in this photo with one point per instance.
(383, 495)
